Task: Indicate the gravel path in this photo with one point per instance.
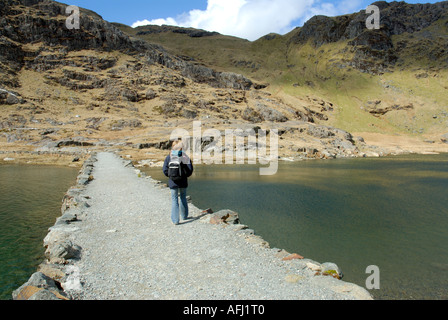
(131, 250)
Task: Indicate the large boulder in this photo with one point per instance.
(60, 252)
(38, 287)
(224, 217)
(8, 97)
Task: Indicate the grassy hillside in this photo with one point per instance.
(330, 71)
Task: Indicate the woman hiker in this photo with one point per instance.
(178, 167)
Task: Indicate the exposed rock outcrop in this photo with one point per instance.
(374, 51)
(8, 97)
(45, 23)
(193, 33)
(379, 108)
(395, 20)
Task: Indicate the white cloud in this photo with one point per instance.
(251, 19)
(158, 22)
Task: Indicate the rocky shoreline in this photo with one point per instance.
(154, 155)
(68, 272)
(49, 282)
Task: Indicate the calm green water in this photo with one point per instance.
(388, 212)
(30, 202)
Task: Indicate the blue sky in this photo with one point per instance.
(249, 19)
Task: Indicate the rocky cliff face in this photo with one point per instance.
(397, 18)
(30, 21)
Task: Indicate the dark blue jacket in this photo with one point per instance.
(186, 163)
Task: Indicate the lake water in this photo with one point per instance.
(388, 212)
(30, 202)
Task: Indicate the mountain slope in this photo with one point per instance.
(66, 92)
(404, 63)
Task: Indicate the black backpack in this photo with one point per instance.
(175, 171)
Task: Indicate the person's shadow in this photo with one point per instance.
(193, 219)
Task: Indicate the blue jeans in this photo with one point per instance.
(175, 204)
